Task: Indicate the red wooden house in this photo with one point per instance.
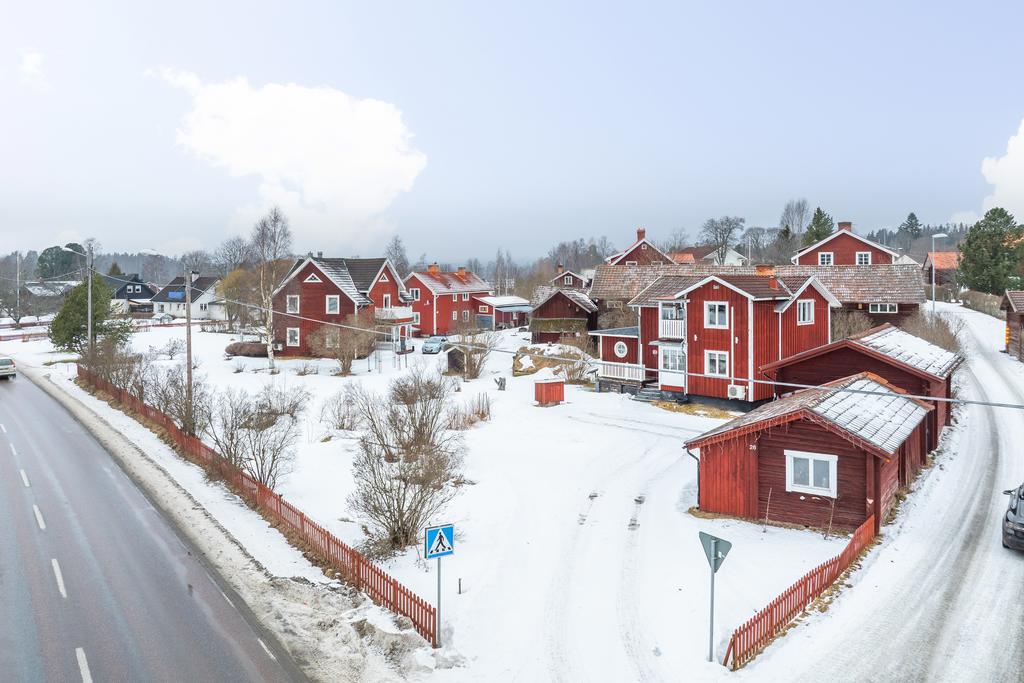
(1013, 305)
(442, 301)
(502, 312)
(641, 253)
(706, 335)
(916, 366)
(559, 313)
(830, 456)
(944, 263)
(567, 279)
(318, 290)
(844, 247)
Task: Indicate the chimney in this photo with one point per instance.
(561, 269)
(764, 270)
(641, 233)
(846, 225)
(319, 254)
(462, 272)
(433, 269)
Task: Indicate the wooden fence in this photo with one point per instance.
(356, 569)
(755, 635)
(24, 336)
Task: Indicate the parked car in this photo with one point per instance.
(7, 368)
(434, 344)
(1013, 522)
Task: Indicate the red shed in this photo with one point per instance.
(835, 454)
(1013, 304)
(844, 247)
(561, 313)
(908, 362)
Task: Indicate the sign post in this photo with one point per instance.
(715, 549)
(439, 541)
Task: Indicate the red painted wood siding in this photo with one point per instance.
(643, 256)
(312, 304)
(428, 301)
(648, 335)
(574, 282)
(844, 250)
(766, 344)
(734, 341)
(379, 289)
(728, 478)
(1014, 323)
(607, 348)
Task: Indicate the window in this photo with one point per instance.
(292, 303)
(716, 314)
(482, 309)
(813, 473)
(805, 312)
(825, 258)
(567, 279)
(614, 304)
(333, 304)
(465, 316)
(384, 278)
(883, 308)
(293, 336)
(643, 246)
(455, 297)
(863, 258)
(387, 301)
(455, 315)
(160, 308)
(312, 278)
(202, 307)
(465, 297)
(630, 263)
(716, 363)
(415, 292)
(620, 349)
(672, 359)
(415, 318)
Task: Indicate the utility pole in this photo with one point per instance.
(932, 256)
(187, 281)
(17, 286)
(88, 274)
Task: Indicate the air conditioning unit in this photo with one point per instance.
(278, 346)
(738, 391)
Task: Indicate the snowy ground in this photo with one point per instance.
(565, 575)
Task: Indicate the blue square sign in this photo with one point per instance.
(440, 541)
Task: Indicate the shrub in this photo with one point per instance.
(986, 303)
(247, 349)
(846, 323)
(340, 411)
(939, 329)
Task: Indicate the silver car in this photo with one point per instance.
(7, 368)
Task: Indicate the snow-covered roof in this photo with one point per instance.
(504, 301)
(863, 408)
(452, 282)
(910, 349)
(561, 275)
(574, 295)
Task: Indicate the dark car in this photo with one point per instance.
(1013, 522)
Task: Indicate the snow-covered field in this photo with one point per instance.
(576, 555)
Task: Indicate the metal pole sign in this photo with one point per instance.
(439, 541)
(715, 549)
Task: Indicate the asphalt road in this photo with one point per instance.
(95, 584)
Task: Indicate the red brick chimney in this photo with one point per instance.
(845, 225)
(561, 268)
(433, 269)
(462, 272)
(641, 233)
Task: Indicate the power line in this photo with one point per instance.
(688, 373)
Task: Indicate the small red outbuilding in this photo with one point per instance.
(913, 364)
(833, 455)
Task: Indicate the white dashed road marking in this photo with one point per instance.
(266, 649)
(39, 518)
(60, 578)
(83, 665)
(24, 478)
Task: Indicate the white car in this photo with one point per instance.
(7, 368)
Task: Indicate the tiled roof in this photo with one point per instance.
(665, 287)
(863, 406)
(337, 270)
(1015, 297)
(910, 350)
(696, 253)
(364, 271)
(682, 257)
(452, 283)
(542, 294)
(944, 260)
(177, 285)
(625, 282)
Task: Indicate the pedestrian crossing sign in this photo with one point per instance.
(440, 541)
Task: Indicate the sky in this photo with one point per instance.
(466, 127)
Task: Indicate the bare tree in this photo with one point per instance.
(345, 344)
(677, 241)
(234, 252)
(476, 347)
(269, 450)
(795, 215)
(197, 260)
(721, 234)
(340, 411)
(407, 461)
(232, 414)
(395, 252)
(271, 243)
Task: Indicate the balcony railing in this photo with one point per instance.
(622, 371)
(394, 313)
(672, 329)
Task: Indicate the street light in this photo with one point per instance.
(88, 274)
(938, 234)
(187, 281)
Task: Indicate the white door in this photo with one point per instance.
(671, 367)
(387, 301)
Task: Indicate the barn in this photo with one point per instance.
(829, 456)
(1013, 305)
(913, 364)
(559, 313)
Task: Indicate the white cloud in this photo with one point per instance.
(1006, 175)
(333, 163)
(31, 71)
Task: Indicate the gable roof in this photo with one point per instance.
(1013, 300)
(836, 234)
(353, 276)
(681, 257)
(573, 295)
(616, 332)
(891, 344)
(699, 252)
(943, 260)
(174, 291)
(863, 408)
(451, 282)
(614, 259)
(568, 272)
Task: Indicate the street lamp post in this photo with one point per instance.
(187, 281)
(936, 235)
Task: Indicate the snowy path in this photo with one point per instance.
(942, 599)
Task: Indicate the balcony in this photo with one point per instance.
(672, 329)
(394, 314)
(625, 372)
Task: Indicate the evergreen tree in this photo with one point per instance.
(115, 270)
(69, 329)
(991, 252)
(821, 226)
(911, 227)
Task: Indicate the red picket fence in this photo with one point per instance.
(357, 570)
(24, 336)
(753, 636)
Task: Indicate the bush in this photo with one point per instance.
(247, 349)
(340, 411)
(846, 323)
(938, 329)
(172, 348)
(986, 303)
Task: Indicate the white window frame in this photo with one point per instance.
(415, 318)
(202, 307)
(312, 278)
(707, 317)
(288, 303)
(465, 316)
(621, 349)
(415, 292)
(386, 301)
(833, 474)
(384, 278)
(631, 263)
(567, 280)
(482, 309)
(676, 354)
(643, 246)
(336, 298)
(455, 315)
(288, 336)
(884, 309)
(805, 312)
(455, 297)
(831, 258)
(720, 355)
(160, 308)
(465, 296)
(867, 262)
